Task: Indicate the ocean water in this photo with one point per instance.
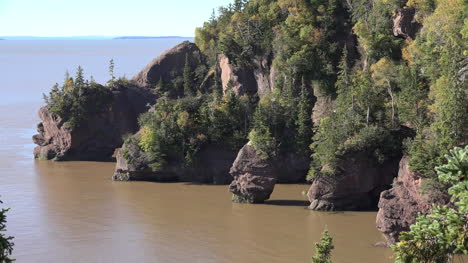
(29, 68)
(74, 212)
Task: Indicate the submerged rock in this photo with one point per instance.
(400, 205)
(97, 137)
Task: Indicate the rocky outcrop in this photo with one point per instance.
(169, 65)
(265, 75)
(255, 176)
(256, 80)
(242, 80)
(211, 166)
(404, 24)
(323, 104)
(400, 205)
(96, 138)
(357, 186)
(249, 188)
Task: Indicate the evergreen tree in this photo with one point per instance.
(323, 249)
(304, 121)
(79, 78)
(187, 78)
(111, 72)
(6, 244)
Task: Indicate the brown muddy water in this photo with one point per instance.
(74, 212)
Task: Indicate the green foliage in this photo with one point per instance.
(177, 129)
(6, 242)
(441, 234)
(263, 142)
(77, 100)
(304, 121)
(440, 94)
(323, 249)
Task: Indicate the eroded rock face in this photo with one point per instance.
(356, 187)
(255, 176)
(323, 105)
(404, 24)
(169, 65)
(97, 138)
(249, 188)
(242, 80)
(256, 80)
(210, 167)
(400, 205)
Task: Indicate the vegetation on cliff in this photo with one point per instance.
(441, 234)
(77, 99)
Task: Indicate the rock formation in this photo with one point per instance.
(255, 177)
(242, 80)
(356, 187)
(256, 80)
(400, 205)
(97, 138)
(211, 167)
(169, 65)
(404, 24)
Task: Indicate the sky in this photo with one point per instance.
(63, 18)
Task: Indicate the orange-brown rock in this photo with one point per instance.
(400, 205)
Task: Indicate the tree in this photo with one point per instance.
(439, 235)
(111, 72)
(304, 121)
(383, 73)
(187, 78)
(323, 249)
(79, 78)
(6, 244)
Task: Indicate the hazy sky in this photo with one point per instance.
(104, 17)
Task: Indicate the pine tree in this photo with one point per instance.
(6, 244)
(79, 78)
(304, 121)
(111, 72)
(187, 78)
(323, 249)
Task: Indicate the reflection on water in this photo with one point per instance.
(73, 212)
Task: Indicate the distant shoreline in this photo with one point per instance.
(92, 38)
(144, 37)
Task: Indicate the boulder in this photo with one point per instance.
(400, 205)
(357, 185)
(255, 176)
(249, 188)
(169, 65)
(97, 138)
(404, 24)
